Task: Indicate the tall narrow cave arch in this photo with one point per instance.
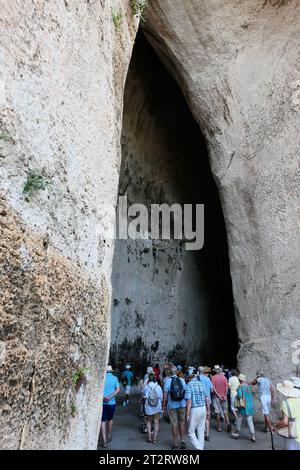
(168, 302)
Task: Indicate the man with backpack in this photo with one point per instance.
(174, 401)
(153, 395)
(127, 377)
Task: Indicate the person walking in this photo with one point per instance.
(174, 402)
(208, 386)
(197, 410)
(111, 389)
(220, 403)
(127, 377)
(156, 370)
(290, 412)
(233, 384)
(153, 395)
(266, 397)
(245, 407)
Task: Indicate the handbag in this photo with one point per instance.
(289, 431)
(240, 402)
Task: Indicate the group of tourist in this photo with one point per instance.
(189, 397)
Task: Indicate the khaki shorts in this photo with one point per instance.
(220, 406)
(155, 416)
(176, 415)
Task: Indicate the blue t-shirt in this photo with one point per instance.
(174, 404)
(129, 375)
(264, 386)
(111, 384)
(207, 385)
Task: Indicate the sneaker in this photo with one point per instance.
(235, 435)
(253, 438)
(174, 447)
(206, 438)
(182, 445)
(228, 427)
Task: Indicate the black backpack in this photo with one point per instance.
(176, 389)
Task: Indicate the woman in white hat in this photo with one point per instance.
(290, 408)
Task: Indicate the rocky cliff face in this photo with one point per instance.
(63, 67)
(237, 63)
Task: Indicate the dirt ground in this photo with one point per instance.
(127, 434)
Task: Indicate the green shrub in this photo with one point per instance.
(34, 182)
(73, 410)
(138, 8)
(117, 18)
(79, 378)
(5, 137)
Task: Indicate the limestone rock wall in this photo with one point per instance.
(62, 72)
(237, 63)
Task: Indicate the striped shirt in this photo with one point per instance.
(195, 391)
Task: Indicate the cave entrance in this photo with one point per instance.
(168, 303)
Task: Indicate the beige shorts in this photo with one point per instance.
(176, 415)
(220, 406)
(155, 416)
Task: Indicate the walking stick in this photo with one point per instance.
(272, 440)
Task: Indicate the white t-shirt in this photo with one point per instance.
(234, 384)
(152, 410)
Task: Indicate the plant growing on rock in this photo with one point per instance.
(5, 137)
(138, 8)
(117, 18)
(79, 378)
(73, 410)
(34, 182)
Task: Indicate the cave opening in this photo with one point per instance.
(168, 303)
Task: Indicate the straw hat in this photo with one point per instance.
(288, 390)
(296, 382)
(207, 370)
(217, 368)
(128, 366)
(242, 378)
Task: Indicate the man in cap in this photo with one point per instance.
(127, 377)
(111, 389)
(174, 402)
(220, 403)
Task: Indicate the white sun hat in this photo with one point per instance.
(109, 368)
(296, 382)
(242, 377)
(128, 366)
(288, 390)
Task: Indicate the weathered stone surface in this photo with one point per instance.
(54, 322)
(237, 63)
(62, 73)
